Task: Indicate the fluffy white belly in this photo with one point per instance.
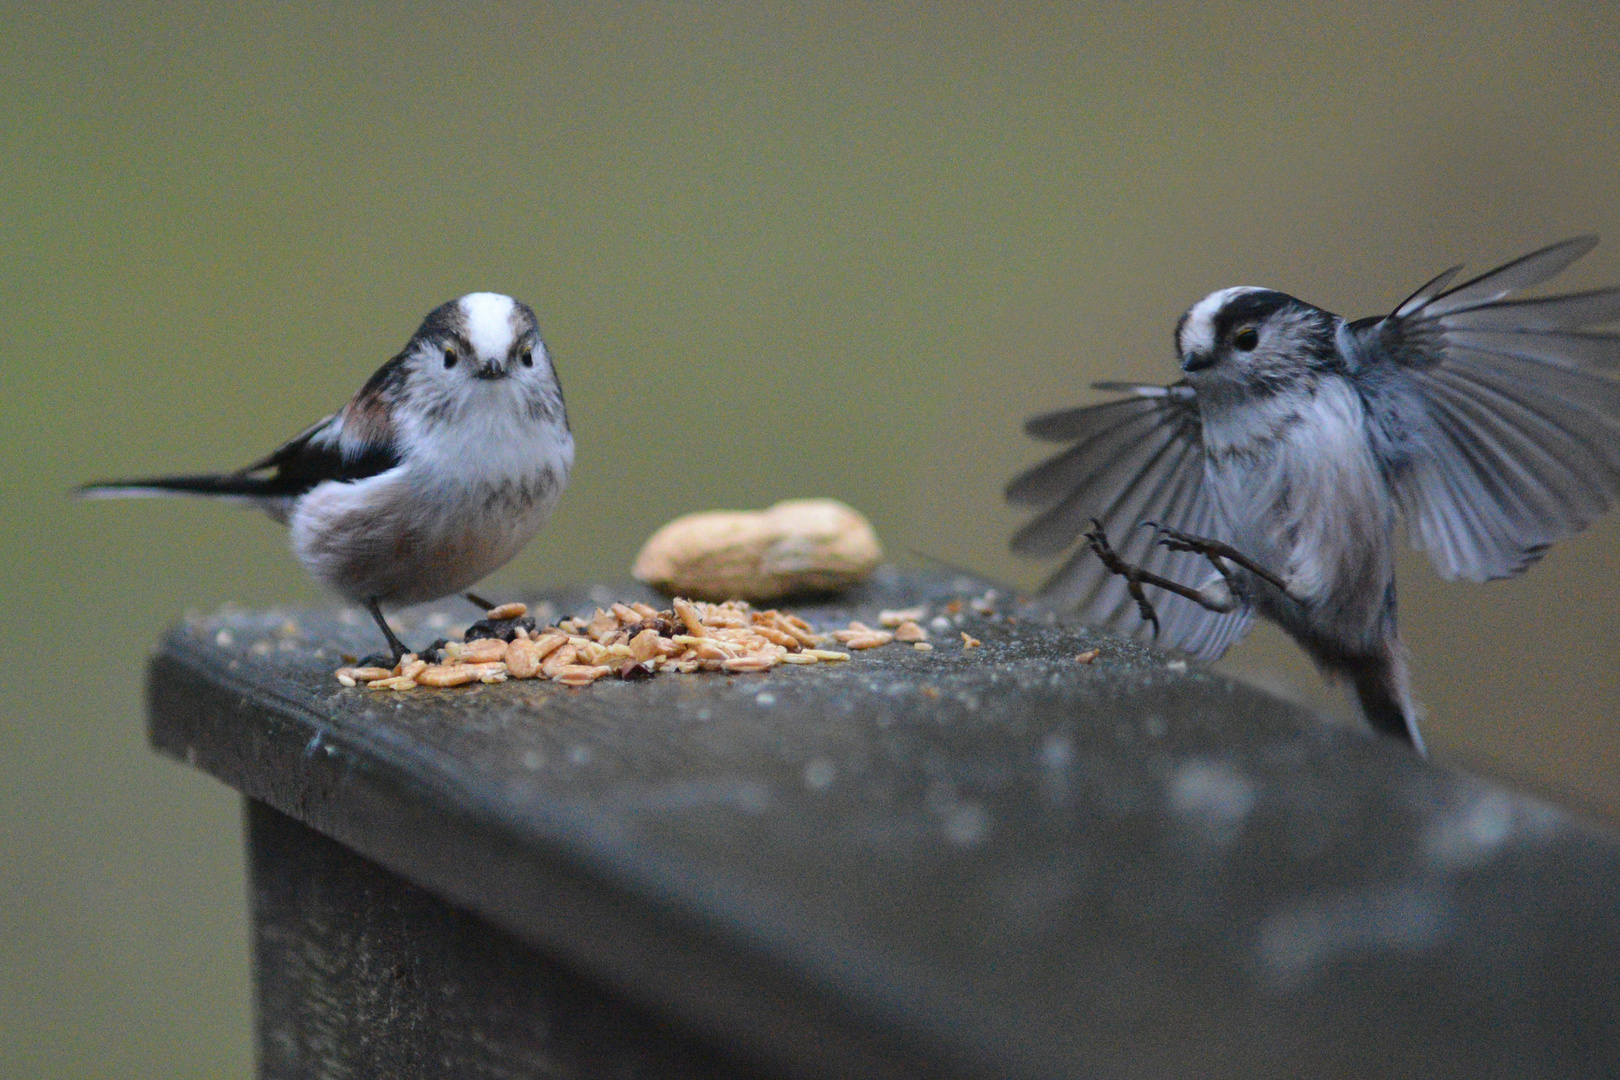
(404, 539)
(1299, 491)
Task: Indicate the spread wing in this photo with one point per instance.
(1133, 460)
(1494, 419)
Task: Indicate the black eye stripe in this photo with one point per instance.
(1251, 308)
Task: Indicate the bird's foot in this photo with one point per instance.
(1097, 538)
(394, 643)
(1136, 577)
(1217, 553)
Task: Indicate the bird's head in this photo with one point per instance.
(481, 337)
(1249, 340)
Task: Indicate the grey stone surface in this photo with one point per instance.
(985, 862)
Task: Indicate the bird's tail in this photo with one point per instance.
(1383, 686)
(228, 485)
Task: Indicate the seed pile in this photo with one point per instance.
(631, 641)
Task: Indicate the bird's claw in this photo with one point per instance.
(1097, 538)
(1174, 539)
(1216, 552)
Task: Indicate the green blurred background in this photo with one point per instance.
(776, 250)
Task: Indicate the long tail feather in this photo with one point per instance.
(1383, 687)
(237, 485)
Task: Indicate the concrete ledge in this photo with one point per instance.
(986, 862)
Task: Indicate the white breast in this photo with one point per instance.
(466, 499)
(1298, 488)
(492, 443)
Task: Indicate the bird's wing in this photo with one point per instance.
(327, 450)
(1492, 418)
(1133, 460)
(345, 446)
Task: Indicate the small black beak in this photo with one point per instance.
(1197, 361)
(491, 370)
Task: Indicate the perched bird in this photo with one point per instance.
(1271, 476)
(449, 459)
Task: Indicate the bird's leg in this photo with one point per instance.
(478, 602)
(382, 624)
(1216, 552)
(1136, 577)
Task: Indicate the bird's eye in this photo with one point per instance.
(450, 358)
(1246, 339)
(527, 357)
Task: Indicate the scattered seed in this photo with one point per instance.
(630, 669)
(970, 642)
(447, 675)
(778, 637)
(365, 674)
(563, 657)
(690, 616)
(922, 646)
(546, 644)
(868, 637)
(644, 646)
(602, 624)
(580, 674)
(523, 659)
(632, 641)
(655, 622)
(483, 651)
(895, 617)
(1088, 656)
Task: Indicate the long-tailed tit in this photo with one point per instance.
(1285, 454)
(449, 459)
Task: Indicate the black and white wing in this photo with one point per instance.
(350, 445)
(1493, 418)
(1134, 460)
(341, 447)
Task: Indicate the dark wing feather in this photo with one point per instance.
(1135, 460)
(1494, 424)
(328, 450)
(323, 451)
